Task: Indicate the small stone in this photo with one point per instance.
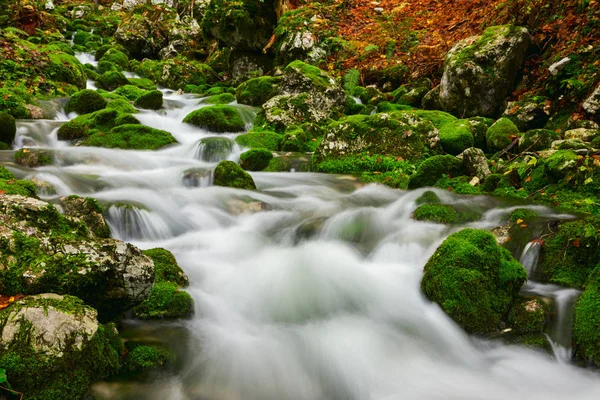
(555, 68)
(474, 181)
(378, 10)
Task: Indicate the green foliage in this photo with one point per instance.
(224, 98)
(255, 159)
(217, 118)
(351, 80)
(473, 279)
(230, 174)
(15, 186)
(131, 136)
(86, 101)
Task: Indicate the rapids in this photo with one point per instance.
(306, 289)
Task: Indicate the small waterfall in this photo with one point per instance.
(214, 149)
(530, 256)
(128, 222)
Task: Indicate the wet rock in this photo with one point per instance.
(582, 134)
(528, 316)
(538, 139)
(214, 149)
(528, 114)
(501, 134)
(245, 65)
(89, 211)
(86, 101)
(218, 118)
(140, 37)
(255, 159)
(229, 174)
(475, 163)
(34, 158)
(479, 72)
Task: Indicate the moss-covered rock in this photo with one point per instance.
(479, 72)
(86, 101)
(130, 92)
(440, 213)
(428, 197)
(11, 186)
(166, 300)
(151, 100)
(142, 358)
(131, 136)
(84, 125)
(433, 168)
(561, 163)
(217, 118)
(214, 149)
(528, 316)
(89, 211)
(456, 136)
(34, 158)
(257, 91)
(176, 73)
(529, 113)
(537, 139)
(258, 139)
(397, 134)
(473, 279)
(122, 106)
(166, 267)
(140, 36)
(106, 66)
(66, 68)
(224, 98)
(255, 159)
(230, 174)
(501, 134)
(116, 57)
(570, 253)
(8, 128)
(54, 348)
(112, 80)
(586, 324)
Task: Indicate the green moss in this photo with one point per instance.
(122, 106)
(538, 139)
(396, 179)
(66, 68)
(143, 83)
(224, 98)
(571, 253)
(218, 118)
(230, 174)
(166, 267)
(438, 118)
(8, 128)
(458, 185)
(428, 197)
(13, 104)
(134, 136)
(561, 163)
(356, 164)
(294, 139)
(131, 92)
(586, 325)
(433, 168)
(107, 66)
(440, 213)
(152, 100)
(536, 341)
(12, 186)
(473, 279)
(34, 158)
(523, 214)
(116, 57)
(81, 126)
(142, 358)
(112, 80)
(86, 101)
(255, 159)
(257, 91)
(456, 137)
(501, 134)
(166, 300)
(528, 316)
(176, 73)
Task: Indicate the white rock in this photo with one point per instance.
(558, 66)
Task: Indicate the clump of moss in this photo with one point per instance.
(151, 100)
(260, 140)
(230, 174)
(8, 128)
(586, 325)
(571, 253)
(456, 137)
(255, 159)
(116, 57)
(84, 125)
(256, 91)
(440, 213)
(538, 139)
(34, 158)
(166, 300)
(217, 118)
(433, 168)
(522, 214)
(224, 98)
(501, 134)
(122, 106)
(166, 267)
(473, 279)
(112, 80)
(561, 163)
(130, 92)
(106, 66)
(86, 101)
(131, 136)
(428, 197)
(528, 316)
(142, 358)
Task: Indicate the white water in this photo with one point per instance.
(307, 289)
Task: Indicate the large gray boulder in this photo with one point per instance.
(479, 72)
(44, 251)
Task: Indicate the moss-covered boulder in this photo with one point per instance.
(538, 139)
(86, 101)
(529, 113)
(230, 174)
(10, 185)
(570, 253)
(108, 274)
(428, 197)
(98, 122)
(475, 163)
(440, 213)
(116, 57)
(218, 118)
(122, 106)
(89, 211)
(433, 168)
(141, 37)
(255, 159)
(500, 135)
(166, 300)
(131, 136)
(34, 158)
(259, 139)
(105, 66)
(479, 72)
(130, 92)
(395, 134)
(142, 358)
(112, 80)
(244, 25)
(176, 73)
(214, 149)
(456, 136)
(223, 98)
(151, 100)
(473, 279)
(528, 316)
(561, 164)
(8, 128)
(257, 91)
(586, 324)
(166, 267)
(52, 347)
(66, 68)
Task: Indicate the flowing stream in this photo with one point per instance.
(306, 289)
